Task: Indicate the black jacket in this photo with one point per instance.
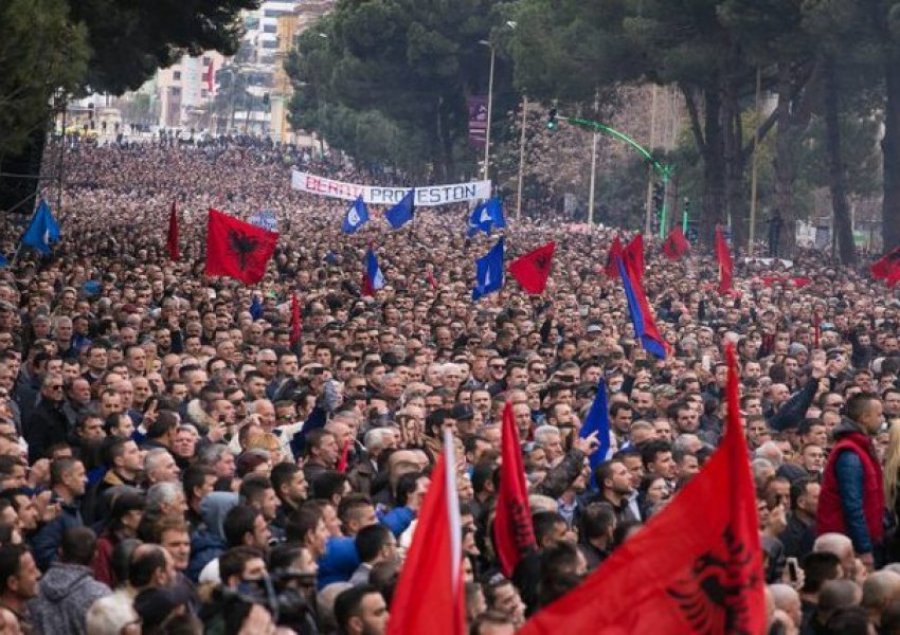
(46, 427)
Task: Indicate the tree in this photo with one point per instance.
(78, 46)
(42, 53)
(568, 48)
(407, 64)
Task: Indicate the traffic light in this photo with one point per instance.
(552, 123)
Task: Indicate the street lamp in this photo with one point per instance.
(490, 105)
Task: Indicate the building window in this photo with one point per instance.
(207, 60)
(270, 44)
(204, 93)
(176, 75)
(270, 28)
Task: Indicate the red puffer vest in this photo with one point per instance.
(830, 517)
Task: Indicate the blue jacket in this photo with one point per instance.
(849, 472)
(45, 543)
(205, 547)
(338, 562)
(398, 520)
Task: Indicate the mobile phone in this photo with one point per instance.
(793, 569)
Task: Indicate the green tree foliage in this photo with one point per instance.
(403, 67)
(79, 46)
(41, 52)
(130, 40)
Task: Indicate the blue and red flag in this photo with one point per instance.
(373, 278)
(644, 326)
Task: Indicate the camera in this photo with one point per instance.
(281, 594)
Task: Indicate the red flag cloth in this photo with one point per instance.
(345, 457)
(676, 245)
(513, 531)
(634, 256)
(210, 77)
(296, 326)
(172, 235)
(237, 249)
(615, 251)
(723, 256)
(429, 595)
(430, 276)
(532, 270)
(887, 267)
(677, 575)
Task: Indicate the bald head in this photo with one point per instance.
(879, 590)
(836, 595)
(841, 546)
(787, 599)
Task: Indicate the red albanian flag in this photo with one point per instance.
(676, 245)
(513, 531)
(887, 267)
(532, 270)
(172, 235)
(615, 251)
(678, 575)
(237, 249)
(296, 324)
(726, 266)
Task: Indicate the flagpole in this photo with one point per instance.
(593, 180)
(522, 157)
(490, 105)
(593, 165)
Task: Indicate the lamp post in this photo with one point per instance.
(522, 157)
(593, 165)
(490, 106)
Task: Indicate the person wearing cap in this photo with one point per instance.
(158, 606)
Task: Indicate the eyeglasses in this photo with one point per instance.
(498, 366)
(59, 387)
(266, 361)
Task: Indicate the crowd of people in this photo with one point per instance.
(171, 463)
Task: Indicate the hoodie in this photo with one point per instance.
(208, 541)
(65, 594)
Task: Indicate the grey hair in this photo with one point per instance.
(163, 494)
(543, 433)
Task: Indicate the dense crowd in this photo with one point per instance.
(156, 476)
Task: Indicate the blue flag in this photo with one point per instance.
(256, 307)
(43, 229)
(357, 216)
(598, 421)
(487, 215)
(489, 272)
(402, 212)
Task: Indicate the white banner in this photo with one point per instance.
(426, 196)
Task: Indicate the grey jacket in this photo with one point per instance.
(65, 594)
